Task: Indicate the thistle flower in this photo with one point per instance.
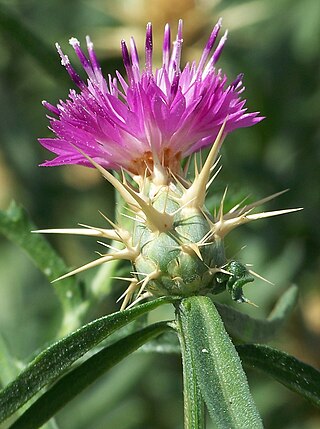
(168, 113)
(145, 126)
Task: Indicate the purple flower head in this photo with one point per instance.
(165, 113)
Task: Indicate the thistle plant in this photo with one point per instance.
(146, 134)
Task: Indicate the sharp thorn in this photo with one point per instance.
(260, 277)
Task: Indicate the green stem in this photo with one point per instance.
(194, 412)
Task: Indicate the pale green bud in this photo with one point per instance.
(183, 260)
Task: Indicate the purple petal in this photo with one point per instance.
(117, 120)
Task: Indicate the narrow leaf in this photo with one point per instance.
(56, 359)
(221, 378)
(82, 376)
(251, 330)
(291, 372)
(194, 413)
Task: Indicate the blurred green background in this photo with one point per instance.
(276, 43)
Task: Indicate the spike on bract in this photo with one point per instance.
(175, 246)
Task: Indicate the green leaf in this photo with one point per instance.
(17, 226)
(9, 369)
(251, 330)
(220, 376)
(194, 413)
(15, 29)
(294, 374)
(56, 359)
(82, 376)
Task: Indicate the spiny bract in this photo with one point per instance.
(175, 245)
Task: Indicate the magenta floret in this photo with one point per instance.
(169, 111)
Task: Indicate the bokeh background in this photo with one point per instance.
(276, 43)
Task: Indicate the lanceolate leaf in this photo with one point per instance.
(82, 376)
(251, 330)
(296, 375)
(194, 413)
(56, 359)
(9, 368)
(220, 376)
